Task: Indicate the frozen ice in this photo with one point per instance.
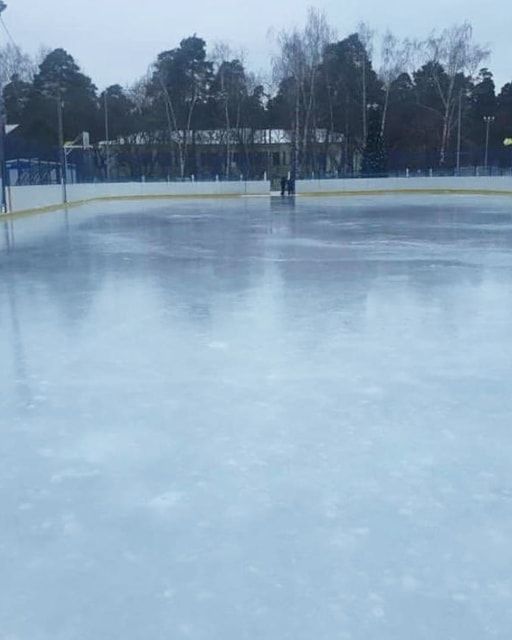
(254, 418)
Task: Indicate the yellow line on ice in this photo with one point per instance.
(78, 203)
(378, 192)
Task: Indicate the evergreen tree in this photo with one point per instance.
(16, 98)
(374, 156)
(59, 78)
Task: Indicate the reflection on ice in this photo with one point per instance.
(252, 418)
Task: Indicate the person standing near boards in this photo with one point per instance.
(284, 182)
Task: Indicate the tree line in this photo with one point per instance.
(389, 104)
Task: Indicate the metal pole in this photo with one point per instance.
(488, 126)
(488, 121)
(3, 168)
(459, 133)
(62, 152)
(107, 135)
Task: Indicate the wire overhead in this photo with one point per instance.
(13, 42)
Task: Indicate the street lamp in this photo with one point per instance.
(463, 93)
(53, 91)
(107, 135)
(488, 121)
(507, 143)
(62, 151)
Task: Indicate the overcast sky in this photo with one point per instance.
(116, 40)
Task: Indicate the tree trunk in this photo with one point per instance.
(228, 142)
(186, 135)
(365, 123)
(296, 142)
(445, 135)
(384, 112)
(308, 113)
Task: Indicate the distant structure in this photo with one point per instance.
(32, 171)
(251, 152)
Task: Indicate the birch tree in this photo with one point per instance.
(395, 57)
(13, 61)
(181, 79)
(317, 35)
(290, 65)
(221, 55)
(366, 36)
(454, 54)
(229, 90)
(299, 62)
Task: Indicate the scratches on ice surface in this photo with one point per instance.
(74, 474)
(218, 346)
(166, 501)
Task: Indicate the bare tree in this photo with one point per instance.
(172, 125)
(317, 35)
(181, 80)
(138, 92)
(395, 56)
(299, 60)
(454, 54)
(13, 61)
(291, 64)
(42, 53)
(366, 36)
(222, 54)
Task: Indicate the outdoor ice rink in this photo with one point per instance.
(251, 419)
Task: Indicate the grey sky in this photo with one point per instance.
(116, 40)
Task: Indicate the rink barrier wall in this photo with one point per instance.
(48, 197)
(499, 185)
(30, 199)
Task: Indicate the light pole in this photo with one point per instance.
(53, 91)
(488, 121)
(3, 169)
(107, 135)
(62, 151)
(507, 142)
(463, 93)
(459, 133)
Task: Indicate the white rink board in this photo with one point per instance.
(35, 197)
(320, 187)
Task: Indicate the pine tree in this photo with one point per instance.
(374, 155)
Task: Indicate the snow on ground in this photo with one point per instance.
(250, 419)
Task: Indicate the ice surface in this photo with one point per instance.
(228, 420)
